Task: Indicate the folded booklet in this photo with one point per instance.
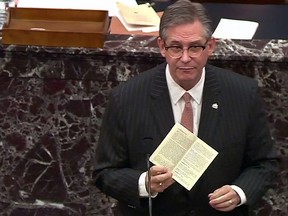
(186, 155)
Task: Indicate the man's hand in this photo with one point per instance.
(224, 199)
(161, 178)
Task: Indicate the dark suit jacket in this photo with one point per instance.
(141, 108)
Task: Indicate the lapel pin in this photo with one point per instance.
(215, 106)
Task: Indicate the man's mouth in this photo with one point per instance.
(186, 68)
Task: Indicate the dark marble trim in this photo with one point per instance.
(146, 46)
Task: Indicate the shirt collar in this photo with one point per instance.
(176, 91)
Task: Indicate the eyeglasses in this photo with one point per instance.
(193, 51)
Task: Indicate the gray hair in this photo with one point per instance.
(184, 12)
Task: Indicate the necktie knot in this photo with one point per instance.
(186, 97)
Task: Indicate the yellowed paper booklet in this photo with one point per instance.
(186, 155)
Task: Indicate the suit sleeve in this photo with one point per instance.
(261, 160)
(112, 175)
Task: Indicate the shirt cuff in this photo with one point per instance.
(241, 194)
(142, 186)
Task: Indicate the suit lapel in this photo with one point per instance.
(163, 113)
(210, 107)
(161, 103)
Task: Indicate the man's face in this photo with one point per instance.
(186, 70)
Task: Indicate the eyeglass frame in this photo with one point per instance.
(203, 47)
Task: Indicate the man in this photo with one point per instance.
(227, 115)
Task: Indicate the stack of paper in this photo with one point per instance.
(138, 17)
(142, 14)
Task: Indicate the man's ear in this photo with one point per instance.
(211, 45)
(161, 45)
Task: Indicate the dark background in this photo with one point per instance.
(272, 18)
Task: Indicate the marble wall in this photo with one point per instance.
(51, 105)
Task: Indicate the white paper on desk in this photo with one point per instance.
(109, 5)
(130, 27)
(235, 29)
(2, 5)
(137, 28)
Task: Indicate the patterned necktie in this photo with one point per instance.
(187, 114)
